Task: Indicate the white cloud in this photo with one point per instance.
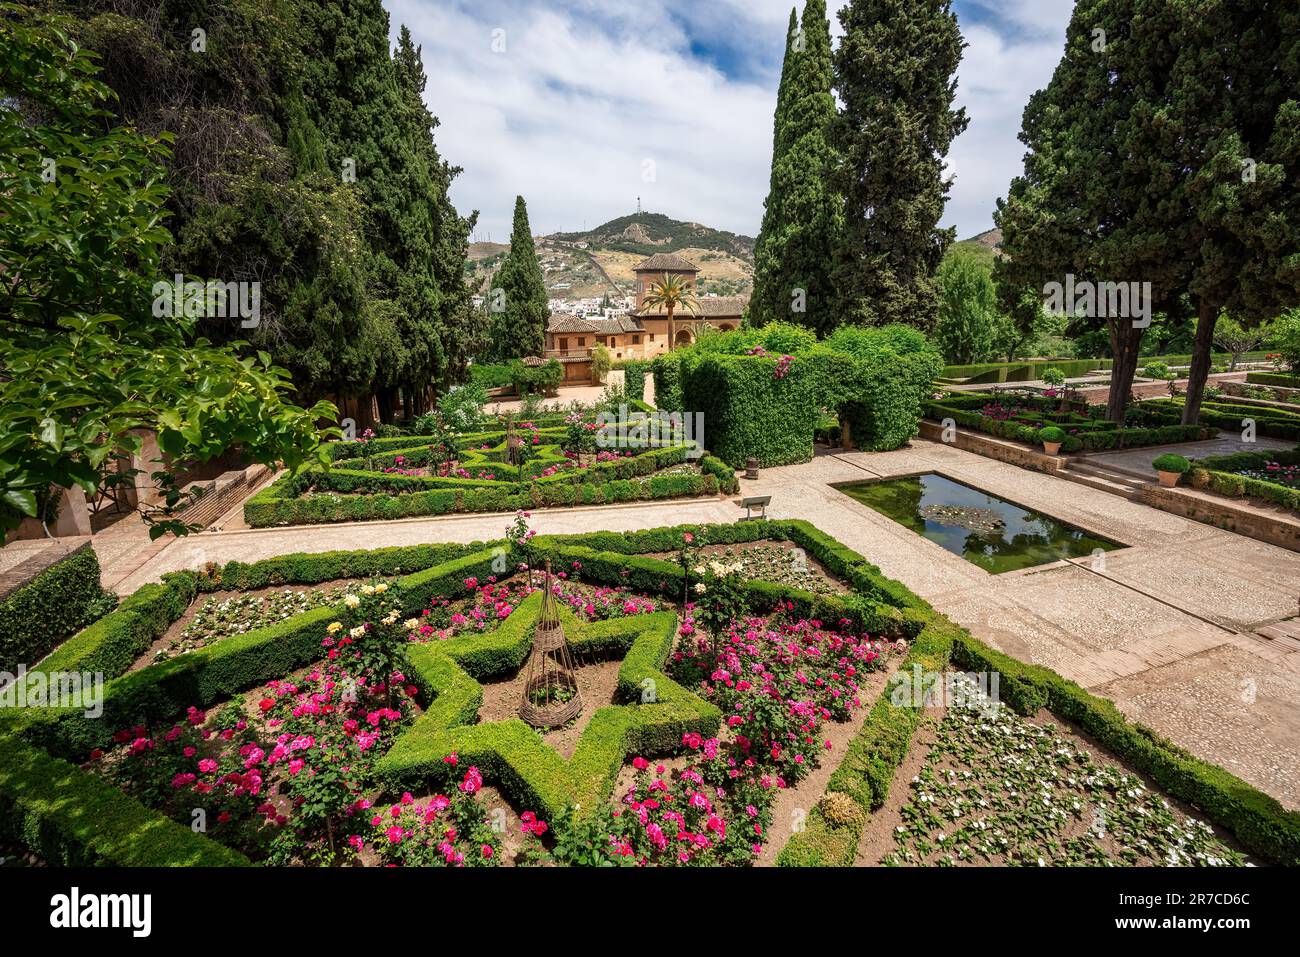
(588, 91)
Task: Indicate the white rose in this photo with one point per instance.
(358, 631)
(351, 601)
(700, 589)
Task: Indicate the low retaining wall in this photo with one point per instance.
(994, 448)
(1276, 528)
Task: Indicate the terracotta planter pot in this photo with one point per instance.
(1052, 448)
(1169, 479)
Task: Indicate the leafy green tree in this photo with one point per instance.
(968, 310)
(894, 72)
(87, 356)
(1230, 122)
(1286, 339)
(794, 253)
(1149, 103)
(1237, 339)
(1076, 214)
(518, 298)
(251, 196)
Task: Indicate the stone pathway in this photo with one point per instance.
(1138, 461)
(1165, 626)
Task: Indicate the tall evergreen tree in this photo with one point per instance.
(802, 221)
(1089, 203)
(1232, 122)
(366, 120)
(248, 199)
(460, 330)
(894, 72)
(518, 297)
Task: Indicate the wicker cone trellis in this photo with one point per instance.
(551, 695)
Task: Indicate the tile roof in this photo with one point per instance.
(666, 262)
(564, 322)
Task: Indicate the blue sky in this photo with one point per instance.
(584, 105)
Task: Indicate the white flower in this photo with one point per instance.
(351, 601)
(700, 589)
(411, 624)
(381, 588)
(358, 631)
(367, 589)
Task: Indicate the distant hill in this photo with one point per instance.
(986, 246)
(648, 233)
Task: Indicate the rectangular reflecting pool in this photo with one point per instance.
(997, 535)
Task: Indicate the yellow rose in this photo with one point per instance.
(381, 588)
(334, 627)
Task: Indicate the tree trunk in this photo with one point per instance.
(672, 338)
(1125, 339)
(1206, 317)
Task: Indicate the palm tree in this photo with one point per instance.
(671, 292)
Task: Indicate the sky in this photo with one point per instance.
(584, 106)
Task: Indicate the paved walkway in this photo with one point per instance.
(1139, 461)
(1164, 627)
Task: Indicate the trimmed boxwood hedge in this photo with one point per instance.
(1280, 379)
(349, 492)
(72, 819)
(1219, 474)
(762, 391)
(56, 603)
(86, 820)
(1100, 436)
(1227, 415)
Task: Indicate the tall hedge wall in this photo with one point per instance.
(762, 391)
(55, 604)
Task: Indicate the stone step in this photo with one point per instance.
(1283, 633)
(1099, 483)
(1114, 475)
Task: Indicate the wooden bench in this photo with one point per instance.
(760, 502)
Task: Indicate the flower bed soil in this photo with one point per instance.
(1084, 839)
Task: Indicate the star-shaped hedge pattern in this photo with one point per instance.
(509, 753)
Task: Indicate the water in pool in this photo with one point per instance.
(997, 535)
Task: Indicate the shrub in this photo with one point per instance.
(1171, 463)
(544, 378)
(58, 602)
(634, 373)
(1051, 434)
(1053, 377)
(1156, 370)
(490, 376)
(462, 408)
(1278, 379)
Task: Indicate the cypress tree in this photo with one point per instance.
(365, 117)
(459, 328)
(894, 72)
(519, 324)
(794, 253)
(1232, 121)
(1088, 205)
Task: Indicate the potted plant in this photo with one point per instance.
(1051, 437)
(1170, 468)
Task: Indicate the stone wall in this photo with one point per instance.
(1233, 515)
(1013, 453)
